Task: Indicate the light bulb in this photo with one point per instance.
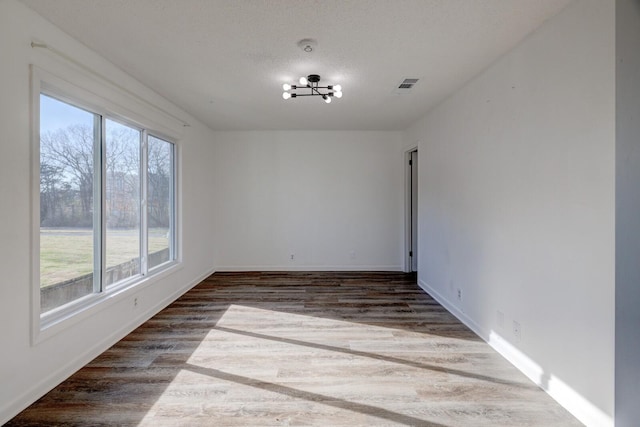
(337, 94)
(303, 81)
(327, 99)
(286, 95)
(337, 88)
(286, 86)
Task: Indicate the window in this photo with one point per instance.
(160, 200)
(69, 137)
(122, 186)
(107, 203)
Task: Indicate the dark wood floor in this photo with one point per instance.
(280, 349)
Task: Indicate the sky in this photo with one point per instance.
(55, 114)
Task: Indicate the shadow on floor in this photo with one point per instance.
(240, 348)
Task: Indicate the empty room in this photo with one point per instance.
(320, 212)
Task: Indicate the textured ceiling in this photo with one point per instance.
(224, 61)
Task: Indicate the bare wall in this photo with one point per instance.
(517, 206)
(627, 212)
(333, 200)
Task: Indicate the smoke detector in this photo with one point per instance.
(307, 45)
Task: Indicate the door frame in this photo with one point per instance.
(407, 207)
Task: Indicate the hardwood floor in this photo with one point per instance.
(280, 349)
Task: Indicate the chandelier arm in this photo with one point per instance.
(318, 93)
(314, 92)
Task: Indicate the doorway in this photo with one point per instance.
(411, 209)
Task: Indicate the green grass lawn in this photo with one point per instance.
(68, 253)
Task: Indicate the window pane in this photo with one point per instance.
(67, 141)
(122, 202)
(160, 195)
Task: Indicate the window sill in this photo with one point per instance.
(57, 320)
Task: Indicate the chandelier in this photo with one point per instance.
(310, 87)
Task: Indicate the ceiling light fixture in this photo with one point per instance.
(310, 86)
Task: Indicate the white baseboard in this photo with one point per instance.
(229, 268)
(13, 408)
(585, 411)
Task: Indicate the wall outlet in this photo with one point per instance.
(459, 294)
(352, 254)
(292, 257)
(135, 302)
(517, 331)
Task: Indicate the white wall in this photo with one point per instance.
(28, 371)
(627, 212)
(517, 206)
(318, 195)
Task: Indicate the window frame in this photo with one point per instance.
(51, 322)
(143, 235)
(173, 200)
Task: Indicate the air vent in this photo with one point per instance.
(406, 85)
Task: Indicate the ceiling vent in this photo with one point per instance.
(405, 86)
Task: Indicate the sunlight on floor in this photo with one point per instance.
(254, 358)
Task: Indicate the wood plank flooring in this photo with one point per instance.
(299, 349)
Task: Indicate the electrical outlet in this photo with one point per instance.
(459, 294)
(352, 254)
(517, 331)
(292, 257)
(135, 302)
